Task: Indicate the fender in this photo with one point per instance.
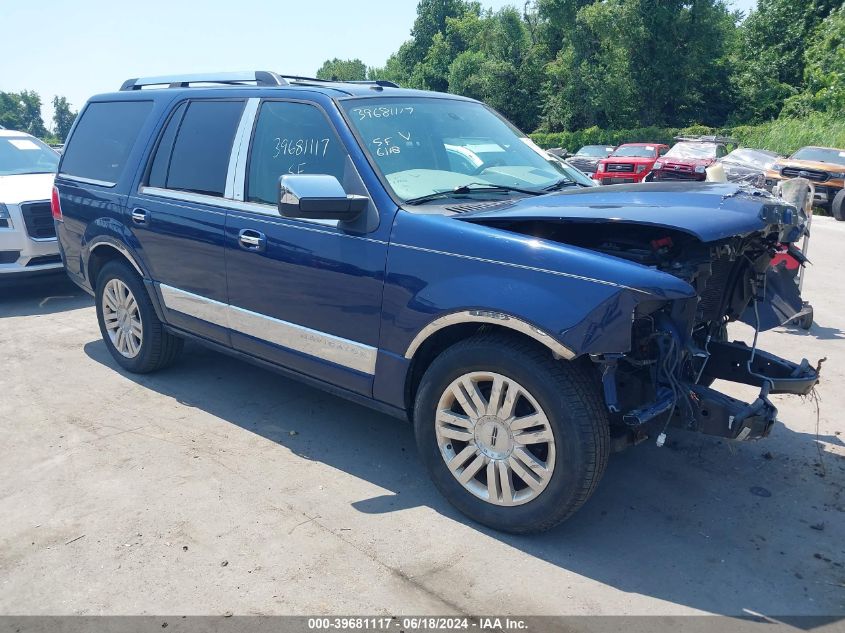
(109, 232)
(574, 301)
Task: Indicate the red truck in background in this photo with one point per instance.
(630, 162)
(690, 157)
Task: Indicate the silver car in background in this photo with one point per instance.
(27, 235)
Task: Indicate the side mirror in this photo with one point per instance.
(318, 197)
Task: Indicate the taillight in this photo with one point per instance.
(56, 206)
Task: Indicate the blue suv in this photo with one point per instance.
(416, 253)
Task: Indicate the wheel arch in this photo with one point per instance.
(449, 329)
(104, 251)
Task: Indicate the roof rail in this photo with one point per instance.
(257, 77)
(707, 139)
(384, 83)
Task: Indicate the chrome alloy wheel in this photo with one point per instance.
(495, 439)
(122, 318)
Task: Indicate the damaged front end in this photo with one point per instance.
(722, 243)
(680, 348)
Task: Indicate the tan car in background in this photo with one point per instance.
(824, 167)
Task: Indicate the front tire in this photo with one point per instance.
(132, 331)
(511, 437)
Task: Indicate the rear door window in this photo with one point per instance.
(103, 139)
(291, 138)
(194, 150)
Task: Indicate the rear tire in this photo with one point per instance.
(502, 411)
(132, 331)
(837, 207)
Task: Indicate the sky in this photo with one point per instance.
(78, 48)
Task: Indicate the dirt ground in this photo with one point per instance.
(216, 487)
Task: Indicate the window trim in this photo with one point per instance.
(263, 208)
(248, 162)
(180, 194)
(234, 195)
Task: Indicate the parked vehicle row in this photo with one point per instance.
(416, 253)
(689, 158)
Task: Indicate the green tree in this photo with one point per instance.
(22, 111)
(63, 117)
(770, 54)
(343, 70)
(824, 69)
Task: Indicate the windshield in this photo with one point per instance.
(636, 151)
(423, 146)
(820, 154)
(597, 151)
(761, 160)
(26, 155)
(692, 150)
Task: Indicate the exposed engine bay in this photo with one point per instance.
(679, 347)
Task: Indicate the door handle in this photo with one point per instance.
(251, 240)
(140, 216)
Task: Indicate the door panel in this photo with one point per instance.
(179, 215)
(310, 301)
(303, 294)
(182, 243)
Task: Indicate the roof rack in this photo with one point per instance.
(707, 139)
(257, 77)
(384, 83)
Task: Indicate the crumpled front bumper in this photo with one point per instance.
(706, 410)
(718, 414)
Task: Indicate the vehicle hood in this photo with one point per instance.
(708, 211)
(25, 188)
(695, 162)
(808, 164)
(636, 160)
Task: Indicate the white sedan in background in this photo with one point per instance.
(27, 235)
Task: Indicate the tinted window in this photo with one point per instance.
(200, 157)
(161, 162)
(291, 138)
(103, 139)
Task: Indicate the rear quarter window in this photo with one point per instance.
(103, 139)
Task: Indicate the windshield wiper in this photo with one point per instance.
(563, 182)
(472, 187)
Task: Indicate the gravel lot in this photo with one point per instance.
(218, 487)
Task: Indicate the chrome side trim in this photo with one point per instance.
(299, 338)
(240, 149)
(87, 181)
(489, 316)
(193, 305)
(185, 196)
(325, 346)
(121, 249)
